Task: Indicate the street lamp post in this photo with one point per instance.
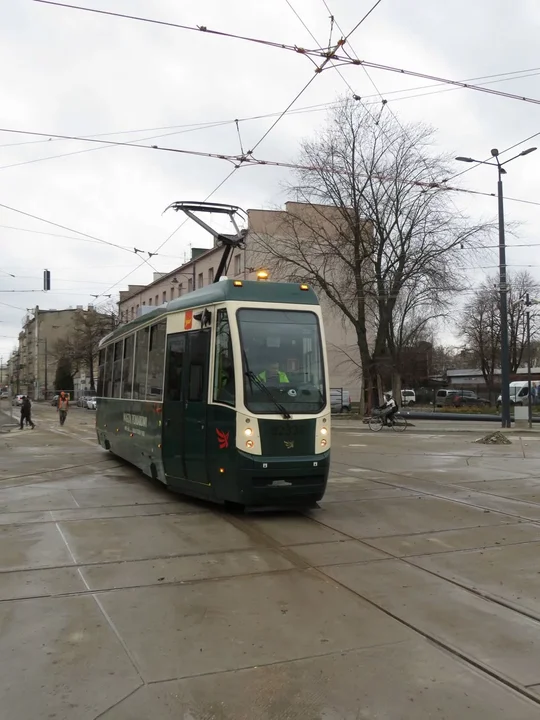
(503, 288)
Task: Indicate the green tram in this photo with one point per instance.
(223, 394)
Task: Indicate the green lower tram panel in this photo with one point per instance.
(202, 460)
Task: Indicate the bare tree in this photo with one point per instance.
(378, 231)
(480, 323)
(481, 329)
(80, 347)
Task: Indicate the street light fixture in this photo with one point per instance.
(503, 289)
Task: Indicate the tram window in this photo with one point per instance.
(127, 366)
(224, 391)
(198, 348)
(117, 369)
(107, 385)
(175, 364)
(101, 373)
(156, 356)
(141, 364)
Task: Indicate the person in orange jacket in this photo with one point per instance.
(63, 406)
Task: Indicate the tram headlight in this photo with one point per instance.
(248, 432)
(249, 443)
(324, 442)
(324, 431)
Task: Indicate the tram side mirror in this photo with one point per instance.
(204, 318)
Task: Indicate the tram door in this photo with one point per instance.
(184, 407)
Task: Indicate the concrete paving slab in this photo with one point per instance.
(138, 538)
(346, 488)
(525, 488)
(518, 465)
(34, 497)
(183, 630)
(293, 528)
(513, 508)
(401, 516)
(176, 508)
(61, 660)
(404, 681)
(16, 518)
(38, 583)
(501, 639)
(131, 495)
(32, 546)
(183, 569)
(451, 540)
(511, 573)
(341, 551)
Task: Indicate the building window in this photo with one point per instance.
(237, 264)
(190, 284)
(149, 301)
(200, 281)
(137, 310)
(180, 289)
(132, 312)
(210, 276)
(157, 300)
(164, 296)
(144, 303)
(172, 293)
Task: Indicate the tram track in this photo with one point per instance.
(306, 566)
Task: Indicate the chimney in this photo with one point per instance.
(158, 276)
(197, 252)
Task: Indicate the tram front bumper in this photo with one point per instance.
(268, 480)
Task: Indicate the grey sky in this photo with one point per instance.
(70, 72)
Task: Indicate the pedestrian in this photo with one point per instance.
(26, 412)
(63, 405)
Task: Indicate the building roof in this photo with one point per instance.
(476, 372)
(249, 291)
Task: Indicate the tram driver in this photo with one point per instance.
(273, 375)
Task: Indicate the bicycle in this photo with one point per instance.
(376, 422)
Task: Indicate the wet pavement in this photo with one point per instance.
(413, 592)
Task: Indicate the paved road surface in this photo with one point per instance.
(412, 593)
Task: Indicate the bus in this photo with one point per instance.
(222, 394)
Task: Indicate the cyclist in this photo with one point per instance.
(63, 405)
(388, 409)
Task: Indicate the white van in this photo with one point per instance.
(408, 397)
(519, 391)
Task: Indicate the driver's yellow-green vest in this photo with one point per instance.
(281, 376)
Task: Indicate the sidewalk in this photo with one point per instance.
(356, 423)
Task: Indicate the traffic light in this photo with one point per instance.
(46, 279)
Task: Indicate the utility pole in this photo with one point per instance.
(503, 292)
(503, 288)
(46, 368)
(36, 358)
(529, 384)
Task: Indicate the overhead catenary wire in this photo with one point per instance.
(344, 59)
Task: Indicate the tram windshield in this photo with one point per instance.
(282, 361)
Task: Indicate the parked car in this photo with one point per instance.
(17, 400)
(4, 394)
(408, 397)
(442, 395)
(466, 398)
(91, 403)
(340, 400)
(54, 401)
(81, 401)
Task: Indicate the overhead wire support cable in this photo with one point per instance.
(308, 52)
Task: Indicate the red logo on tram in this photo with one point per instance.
(223, 439)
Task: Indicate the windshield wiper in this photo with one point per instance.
(259, 383)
